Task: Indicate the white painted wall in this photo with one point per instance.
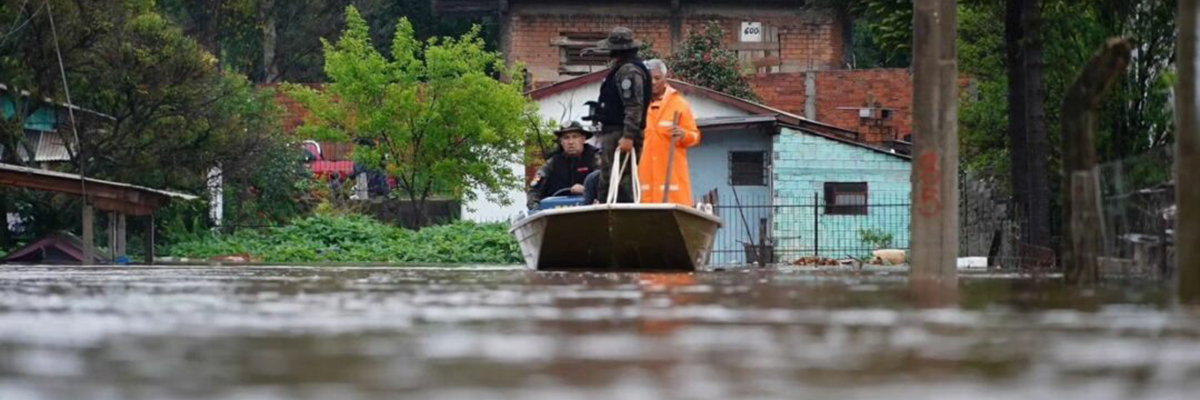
(562, 108)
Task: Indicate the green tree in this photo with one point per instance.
(176, 114)
(444, 116)
(275, 40)
(882, 30)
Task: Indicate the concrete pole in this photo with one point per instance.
(121, 236)
(1187, 156)
(150, 239)
(89, 234)
(935, 151)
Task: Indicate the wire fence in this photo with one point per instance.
(783, 230)
(1138, 209)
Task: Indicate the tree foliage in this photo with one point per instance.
(436, 114)
(882, 31)
(233, 30)
(1137, 115)
(176, 114)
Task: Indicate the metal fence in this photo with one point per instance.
(786, 229)
(1138, 212)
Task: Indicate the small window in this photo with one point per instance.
(747, 168)
(846, 198)
(571, 46)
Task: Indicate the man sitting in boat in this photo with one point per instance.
(670, 128)
(565, 169)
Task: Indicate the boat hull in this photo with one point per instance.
(617, 237)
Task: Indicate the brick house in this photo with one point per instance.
(799, 54)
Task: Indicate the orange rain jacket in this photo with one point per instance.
(652, 168)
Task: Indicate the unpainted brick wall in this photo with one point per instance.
(840, 93)
(807, 43)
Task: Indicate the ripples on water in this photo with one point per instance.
(344, 333)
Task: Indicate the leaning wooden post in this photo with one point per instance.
(1081, 211)
(1187, 156)
(935, 121)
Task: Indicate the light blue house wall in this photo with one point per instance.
(804, 163)
(708, 164)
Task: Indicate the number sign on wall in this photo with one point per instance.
(752, 32)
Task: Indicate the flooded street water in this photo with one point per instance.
(359, 333)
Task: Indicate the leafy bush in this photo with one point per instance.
(877, 239)
(357, 238)
(705, 61)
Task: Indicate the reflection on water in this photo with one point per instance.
(344, 333)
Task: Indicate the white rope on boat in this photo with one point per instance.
(618, 169)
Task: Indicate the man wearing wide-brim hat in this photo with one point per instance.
(566, 168)
(624, 97)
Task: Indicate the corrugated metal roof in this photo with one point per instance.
(50, 147)
(739, 120)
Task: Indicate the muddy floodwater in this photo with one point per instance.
(507, 333)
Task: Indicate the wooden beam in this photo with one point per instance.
(755, 46)
(108, 197)
(935, 170)
(1187, 157)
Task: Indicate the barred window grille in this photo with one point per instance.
(747, 168)
(846, 198)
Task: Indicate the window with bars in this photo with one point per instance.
(846, 198)
(572, 60)
(748, 168)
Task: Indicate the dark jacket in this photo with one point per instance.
(624, 97)
(561, 172)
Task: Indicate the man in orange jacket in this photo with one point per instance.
(661, 126)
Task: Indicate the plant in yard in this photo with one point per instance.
(357, 238)
(877, 239)
(444, 116)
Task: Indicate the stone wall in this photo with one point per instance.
(986, 228)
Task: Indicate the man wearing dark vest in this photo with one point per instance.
(624, 97)
(566, 168)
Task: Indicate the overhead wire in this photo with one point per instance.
(17, 25)
(70, 106)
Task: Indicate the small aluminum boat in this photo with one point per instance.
(617, 237)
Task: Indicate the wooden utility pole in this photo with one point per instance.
(1187, 157)
(1081, 211)
(935, 151)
